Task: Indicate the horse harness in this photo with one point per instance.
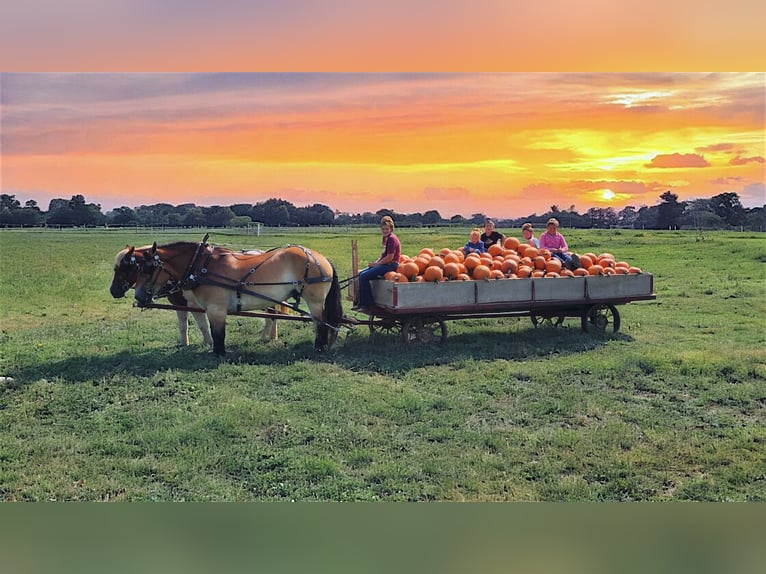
(204, 276)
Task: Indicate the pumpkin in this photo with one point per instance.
(551, 275)
(539, 262)
(427, 251)
(585, 261)
(444, 251)
(509, 266)
(462, 277)
(580, 272)
(524, 271)
(472, 261)
(451, 270)
(436, 261)
(531, 252)
(433, 273)
(545, 253)
(566, 273)
(481, 272)
(538, 273)
(634, 270)
(391, 276)
(595, 270)
(522, 249)
(410, 270)
(553, 265)
(422, 263)
(495, 249)
(496, 274)
(451, 257)
(402, 278)
(511, 243)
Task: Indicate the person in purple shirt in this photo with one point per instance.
(554, 242)
(388, 261)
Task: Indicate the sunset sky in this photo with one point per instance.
(504, 144)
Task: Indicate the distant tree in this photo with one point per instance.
(217, 216)
(626, 217)
(194, 217)
(121, 216)
(555, 208)
(669, 211)
(477, 219)
(432, 217)
(729, 208)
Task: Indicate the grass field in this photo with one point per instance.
(103, 406)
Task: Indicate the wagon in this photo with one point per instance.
(420, 311)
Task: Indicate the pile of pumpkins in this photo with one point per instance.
(512, 260)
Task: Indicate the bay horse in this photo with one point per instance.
(126, 270)
(220, 280)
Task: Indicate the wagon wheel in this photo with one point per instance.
(601, 318)
(547, 320)
(424, 331)
(385, 326)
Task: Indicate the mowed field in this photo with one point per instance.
(102, 405)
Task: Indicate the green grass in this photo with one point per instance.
(103, 406)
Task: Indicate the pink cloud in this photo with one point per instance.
(745, 160)
(726, 180)
(716, 147)
(678, 160)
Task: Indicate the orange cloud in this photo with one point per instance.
(745, 160)
(678, 160)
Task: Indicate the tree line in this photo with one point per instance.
(722, 211)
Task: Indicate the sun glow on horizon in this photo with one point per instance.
(607, 194)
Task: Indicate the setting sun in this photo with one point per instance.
(607, 194)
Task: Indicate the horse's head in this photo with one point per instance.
(125, 272)
(151, 275)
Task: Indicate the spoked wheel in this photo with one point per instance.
(601, 318)
(385, 326)
(547, 320)
(424, 331)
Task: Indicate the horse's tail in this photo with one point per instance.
(332, 315)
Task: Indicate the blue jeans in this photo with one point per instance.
(365, 290)
(565, 258)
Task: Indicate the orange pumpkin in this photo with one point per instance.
(410, 270)
(422, 263)
(567, 273)
(595, 270)
(509, 266)
(444, 251)
(634, 270)
(545, 253)
(539, 262)
(433, 273)
(451, 270)
(436, 261)
(585, 261)
(462, 277)
(551, 275)
(580, 272)
(427, 251)
(537, 274)
(553, 265)
(471, 262)
(531, 252)
(391, 276)
(511, 243)
(495, 249)
(481, 272)
(524, 271)
(402, 278)
(451, 257)
(496, 274)
(522, 249)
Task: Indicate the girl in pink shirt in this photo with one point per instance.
(554, 242)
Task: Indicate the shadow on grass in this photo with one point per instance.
(357, 350)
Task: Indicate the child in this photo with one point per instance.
(553, 241)
(476, 245)
(528, 232)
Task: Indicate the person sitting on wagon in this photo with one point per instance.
(475, 245)
(529, 235)
(554, 242)
(490, 236)
(388, 261)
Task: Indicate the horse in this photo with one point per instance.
(220, 280)
(126, 270)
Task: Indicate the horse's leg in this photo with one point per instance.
(216, 315)
(183, 328)
(269, 332)
(203, 328)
